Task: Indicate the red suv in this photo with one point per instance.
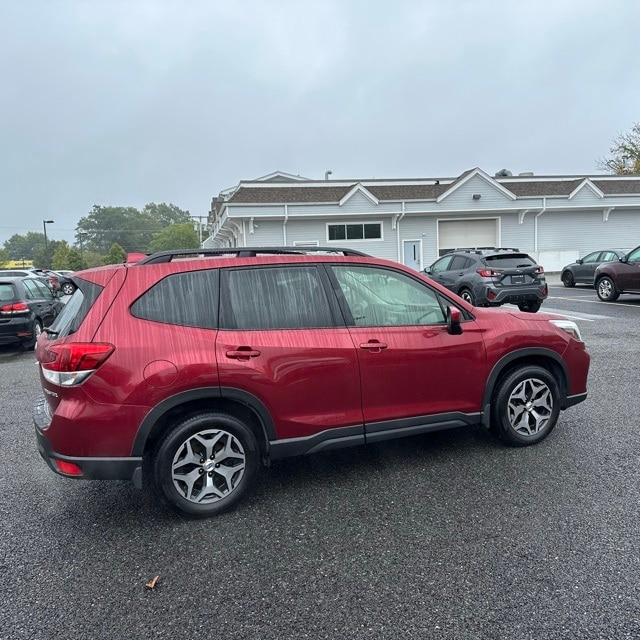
(196, 367)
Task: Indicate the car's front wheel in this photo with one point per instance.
(606, 289)
(205, 464)
(525, 406)
(568, 280)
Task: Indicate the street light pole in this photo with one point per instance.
(44, 226)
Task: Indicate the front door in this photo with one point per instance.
(410, 366)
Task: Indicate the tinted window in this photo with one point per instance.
(509, 261)
(592, 257)
(7, 292)
(382, 297)
(274, 298)
(634, 256)
(43, 290)
(459, 263)
(189, 299)
(31, 289)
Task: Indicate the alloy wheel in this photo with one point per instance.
(530, 407)
(208, 466)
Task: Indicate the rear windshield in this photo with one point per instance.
(510, 261)
(76, 309)
(7, 292)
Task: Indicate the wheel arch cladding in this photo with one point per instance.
(240, 404)
(544, 358)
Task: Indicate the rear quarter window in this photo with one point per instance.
(189, 299)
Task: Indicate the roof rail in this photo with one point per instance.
(244, 252)
(481, 249)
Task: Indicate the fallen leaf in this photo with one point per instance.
(152, 585)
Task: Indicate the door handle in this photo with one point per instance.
(243, 353)
(373, 345)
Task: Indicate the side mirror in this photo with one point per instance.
(427, 270)
(579, 261)
(453, 321)
(624, 259)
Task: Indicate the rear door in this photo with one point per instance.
(282, 339)
(628, 273)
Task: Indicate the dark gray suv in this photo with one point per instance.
(492, 277)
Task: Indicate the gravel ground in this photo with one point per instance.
(447, 535)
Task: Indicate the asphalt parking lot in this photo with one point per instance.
(448, 535)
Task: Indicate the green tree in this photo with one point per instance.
(60, 259)
(166, 214)
(116, 255)
(24, 247)
(4, 257)
(625, 153)
(177, 236)
(75, 260)
(133, 230)
(43, 257)
(92, 259)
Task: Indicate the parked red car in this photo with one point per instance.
(200, 368)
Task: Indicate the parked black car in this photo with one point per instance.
(583, 270)
(492, 277)
(26, 306)
(613, 278)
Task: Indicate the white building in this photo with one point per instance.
(555, 218)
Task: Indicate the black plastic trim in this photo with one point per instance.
(500, 366)
(93, 468)
(404, 427)
(570, 401)
(199, 394)
(323, 441)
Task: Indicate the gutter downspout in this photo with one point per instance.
(396, 224)
(535, 225)
(284, 224)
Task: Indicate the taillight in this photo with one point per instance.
(539, 270)
(71, 364)
(15, 309)
(489, 273)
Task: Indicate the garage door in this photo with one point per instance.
(453, 234)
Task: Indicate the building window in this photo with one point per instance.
(367, 231)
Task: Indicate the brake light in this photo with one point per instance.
(15, 309)
(539, 270)
(489, 273)
(71, 364)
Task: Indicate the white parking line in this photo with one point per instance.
(596, 301)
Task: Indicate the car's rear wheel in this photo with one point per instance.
(525, 406)
(607, 290)
(467, 296)
(530, 307)
(36, 330)
(205, 464)
(568, 279)
(68, 288)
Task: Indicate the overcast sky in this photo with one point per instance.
(127, 102)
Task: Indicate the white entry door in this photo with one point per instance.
(412, 253)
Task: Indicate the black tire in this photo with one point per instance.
(530, 307)
(36, 330)
(214, 442)
(568, 280)
(606, 289)
(68, 288)
(467, 296)
(525, 406)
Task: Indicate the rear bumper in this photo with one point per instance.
(511, 295)
(16, 330)
(92, 468)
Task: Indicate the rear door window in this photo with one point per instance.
(290, 297)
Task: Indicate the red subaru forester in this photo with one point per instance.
(195, 367)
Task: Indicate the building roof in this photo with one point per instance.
(252, 192)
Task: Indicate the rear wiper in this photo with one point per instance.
(50, 332)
